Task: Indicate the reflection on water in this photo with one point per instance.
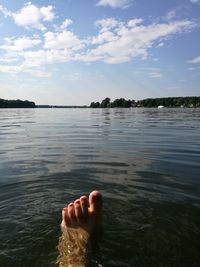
(145, 162)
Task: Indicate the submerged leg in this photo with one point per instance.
(81, 224)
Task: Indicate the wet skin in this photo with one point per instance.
(81, 227)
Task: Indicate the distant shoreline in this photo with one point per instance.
(4, 103)
(164, 102)
(55, 106)
(170, 102)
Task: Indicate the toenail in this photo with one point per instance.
(64, 209)
(96, 198)
(77, 201)
(71, 205)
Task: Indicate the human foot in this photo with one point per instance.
(84, 214)
(81, 224)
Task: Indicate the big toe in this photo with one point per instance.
(65, 218)
(95, 202)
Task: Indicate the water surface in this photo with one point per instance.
(145, 162)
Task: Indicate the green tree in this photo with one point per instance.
(105, 103)
(16, 104)
(95, 105)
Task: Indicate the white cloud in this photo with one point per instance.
(134, 22)
(195, 60)
(8, 58)
(20, 44)
(105, 36)
(160, 44)
(5, 11)
(195, 2)
(66, 23)
(194, 68)
(47, 13)
(128, 42)
(16, 69)
(170, 15)
(31, 16)
(10, 69)
(115, 42)
(115, 3)
(107, 24)
(62, 40)
(34, 59)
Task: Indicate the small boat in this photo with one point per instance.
(160, 106)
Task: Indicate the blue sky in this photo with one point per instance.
(77, 51)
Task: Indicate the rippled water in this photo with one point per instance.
(146, 162)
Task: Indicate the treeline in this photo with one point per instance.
(16, 103)
(119, 102)
(190, 101)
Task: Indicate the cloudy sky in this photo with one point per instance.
(78, 51)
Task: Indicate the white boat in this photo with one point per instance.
(160, 106)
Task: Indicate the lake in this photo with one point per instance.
(146, 163)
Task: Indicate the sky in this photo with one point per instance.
(73, 52)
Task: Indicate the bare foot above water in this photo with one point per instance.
(81, 224)
(84, 213)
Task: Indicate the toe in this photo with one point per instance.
(71, 214)
(64, 211)
(65, 217)
(95, 201)
(84, 206)
(78, 211)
